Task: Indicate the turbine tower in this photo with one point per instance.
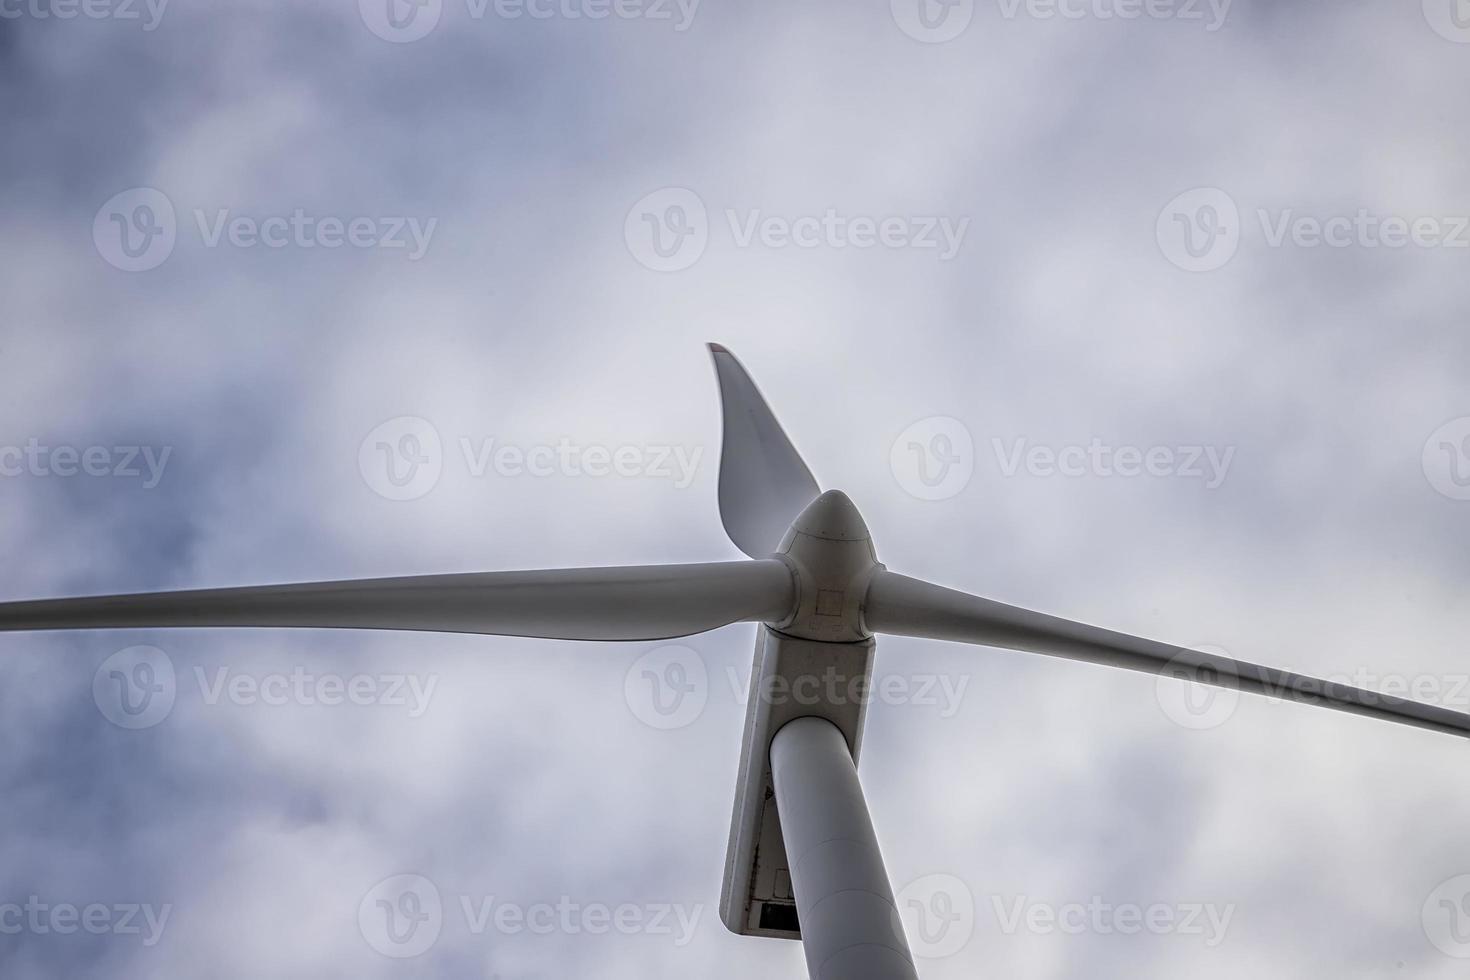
(803, 860)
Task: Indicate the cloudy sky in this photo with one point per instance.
(1149, 314)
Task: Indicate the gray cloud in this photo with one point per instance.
(529, 319)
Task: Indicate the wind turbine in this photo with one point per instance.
(803, 861)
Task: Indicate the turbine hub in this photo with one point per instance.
(831, 556)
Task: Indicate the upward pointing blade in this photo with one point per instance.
(650, 602)
(764, 484)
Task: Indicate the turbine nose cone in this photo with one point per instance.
(832, 517)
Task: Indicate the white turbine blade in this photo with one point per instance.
(650, 602)
(904, 606)
(764, 484)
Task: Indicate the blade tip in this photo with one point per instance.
(715, 348)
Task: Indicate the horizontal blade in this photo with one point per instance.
(764, 484)
(650, 602)
(904, 606)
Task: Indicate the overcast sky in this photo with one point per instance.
(1148, 314)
